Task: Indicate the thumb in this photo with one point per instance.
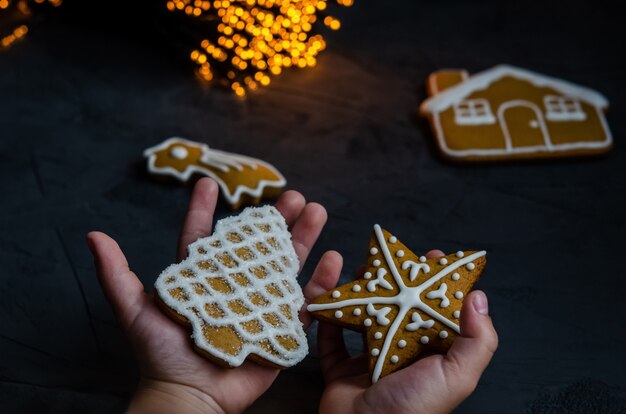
(121, 287)
(471, 352)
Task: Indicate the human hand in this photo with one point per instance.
(173, 377)
(434, 384)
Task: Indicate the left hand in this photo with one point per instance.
(173, 377)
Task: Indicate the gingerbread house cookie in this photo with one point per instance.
(242, 179)
(512, 113)
(405, 304)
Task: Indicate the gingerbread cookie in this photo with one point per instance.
(238, 293)
(242, 180)
(405, 304)
(512, 113)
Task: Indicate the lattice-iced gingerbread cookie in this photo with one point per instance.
(404, 303)
(238, 292)
(242, 179)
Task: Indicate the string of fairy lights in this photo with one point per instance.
(253, 40)
(239, 43)
(15, 17)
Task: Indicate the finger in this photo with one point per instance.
(330, 343)
(332, 350)
(471, 352)
(434, 254)
(199, 218)
(353, 366)
(324, 278)
(121, 287)
(290, 204)
(307, 229)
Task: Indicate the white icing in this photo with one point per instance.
(193, 308)
(356, 288)
(508, 141)
(400, 253)
(376, 262)
(415, 268)
(482, 80)
(456, 276)
(375, 352)
(443, 334)
(373, 250)
(179, 152)
(394, 359)
(379, 281)
(336, 294)
(456, 314)
(221, 160)
(440, 294)
(473, 112)
(443, 261)
(380, 314)
(470, 266)
(378, 335)
(338, 314)
(563, 108)
(356, 312)
(393, 239)
(460, 254)
(458, 294)
(406, 299)
(423, 259)
(367, 275)
(424, 340)
(418, 323)
(401, 343)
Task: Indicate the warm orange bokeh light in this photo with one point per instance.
(20, 7)
(256, 39)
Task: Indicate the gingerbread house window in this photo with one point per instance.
(563, 108)
(473, 112)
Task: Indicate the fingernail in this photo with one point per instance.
(480, 303)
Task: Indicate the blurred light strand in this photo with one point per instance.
(14, 18)
(257, 39)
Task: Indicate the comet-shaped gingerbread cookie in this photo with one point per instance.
(404, 303)
(242, 179)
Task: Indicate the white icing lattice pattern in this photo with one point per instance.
(242, 278)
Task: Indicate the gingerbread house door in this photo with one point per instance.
(523, 127)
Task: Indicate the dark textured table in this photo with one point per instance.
(81, 97)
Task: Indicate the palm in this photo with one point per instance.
(162, 347)
(388, 394)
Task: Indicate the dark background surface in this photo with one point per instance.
(96, 83)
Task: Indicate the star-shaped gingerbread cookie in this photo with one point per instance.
(405, 304)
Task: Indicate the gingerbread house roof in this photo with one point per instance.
(482, 80)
